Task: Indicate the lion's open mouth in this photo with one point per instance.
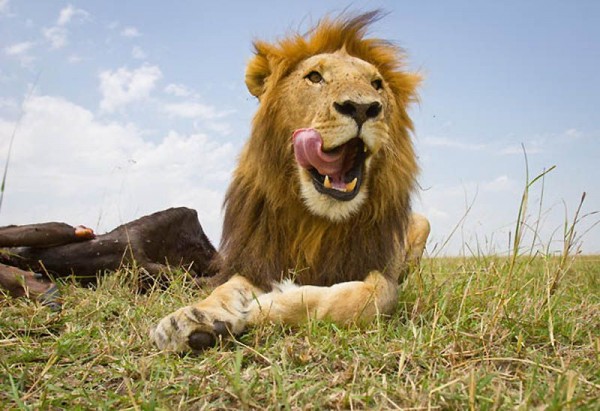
(337, 172)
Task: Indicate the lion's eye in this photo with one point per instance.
(314, 77)
(377, 84)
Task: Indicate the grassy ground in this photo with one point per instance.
(468, 333)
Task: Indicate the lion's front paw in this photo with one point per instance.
(189, 328)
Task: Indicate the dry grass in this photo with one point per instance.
(462, 337)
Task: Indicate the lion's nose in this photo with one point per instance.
(360, 112)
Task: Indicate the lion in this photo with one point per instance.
(317, 218)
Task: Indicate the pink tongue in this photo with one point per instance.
(307, 148)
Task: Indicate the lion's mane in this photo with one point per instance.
(268, 232)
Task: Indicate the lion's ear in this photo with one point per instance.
(257, 71)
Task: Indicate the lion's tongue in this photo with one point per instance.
(309, 154)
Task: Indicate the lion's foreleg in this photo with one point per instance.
(198, 326)
(342, 303)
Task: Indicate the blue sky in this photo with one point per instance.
(141, 105)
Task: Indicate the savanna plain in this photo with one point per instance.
(521, 331)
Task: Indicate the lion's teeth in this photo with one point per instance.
(352, 184)
(365, 149)
(327, 183)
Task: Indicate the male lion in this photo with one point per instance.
(317, 217)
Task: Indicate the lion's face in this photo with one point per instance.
(336, 105)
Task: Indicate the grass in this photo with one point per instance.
(479, 333)
(462, 337)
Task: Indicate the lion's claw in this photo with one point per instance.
(200, 340)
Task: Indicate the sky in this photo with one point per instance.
(121, 109)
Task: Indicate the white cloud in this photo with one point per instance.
(74, 58)
(451, 143)
(573, 133)
(206, 117)
(130, 32)
(19, 48)
(68, 13)
(530, 148)
(56, 35)
(194, 110)
(502, 183)
(124, 86)
(436, 213)
(178, 90)
(69, 166)
(218, 126)
(4, 6)
(20, 51)
(138, 53)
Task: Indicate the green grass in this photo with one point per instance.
(462, 337)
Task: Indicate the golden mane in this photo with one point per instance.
(267, 230)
